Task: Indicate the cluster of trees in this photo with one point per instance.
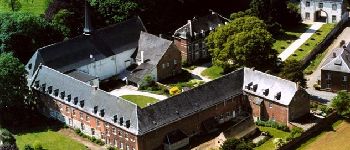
(341, 103)
(244, 41)
(8, 140)
(235, 144)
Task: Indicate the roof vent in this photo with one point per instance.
(43, 88)
(266, 92)
(278, 96)
(177, 112)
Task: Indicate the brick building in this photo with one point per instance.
(335, 71)
(167, 124)
(190, 38)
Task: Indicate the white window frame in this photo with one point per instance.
(320, 5)
(307, 16)
(175, 62)
(334, 7)
(307, 4)
(345, 78)
(270, 104)
(334, 18)
(163, 66)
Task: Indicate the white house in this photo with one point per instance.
(329, 11)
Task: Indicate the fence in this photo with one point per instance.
(328, 40)
(315, 130)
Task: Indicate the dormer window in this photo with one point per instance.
(102, 112)
(75, 100)
(95, 109)
(121, 121)
(69, 98)
(127, 123)
(255, 87)
(43, 88)
(56, 92)
(82, 103)
(62, 95)
(36, 84)
(249, 86)
(30, 66)
(115, 118)
(278, 96)
(266, 92)
(49, 89)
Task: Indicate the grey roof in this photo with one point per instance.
(268, 86)
(102, 43)
(140, 72)
(153, 46)
(81, 76)
(338, 60)
(92, 97)
(196, 25)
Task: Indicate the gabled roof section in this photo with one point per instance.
(269, 87)
(197, 25)
(153, 48)
(338, 60)
(84, 49)
(91, 97)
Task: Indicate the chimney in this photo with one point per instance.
(142, 59)
(188, 21)
(161, 36)
(88, 27)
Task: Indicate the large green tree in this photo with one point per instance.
(341, 103)
(13, 84)
(23, 33)
(242, 42)
(15, 5)
(235, 144)
(293, 70)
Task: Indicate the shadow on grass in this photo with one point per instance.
(22, 122)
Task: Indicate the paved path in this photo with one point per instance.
(296, 44)
(196, 72)
(126, 91)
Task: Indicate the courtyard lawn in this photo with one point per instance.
(36, 7)
(312, 42)
(332, 139)
(213, 72)
(288, 37)
(315, 63)
(50, 140)
(139, 100)
(268, 145)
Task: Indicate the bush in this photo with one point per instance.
(77, 131)
(37, 146)
(295, 132)
(28, 147)
(261, 142)
(111, 148)
(278, 142)
(232, 144)
(272, 124)
(174, 91)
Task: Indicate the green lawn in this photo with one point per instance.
(50, 140)
(312, 42)
(315, 63)
(268, 145)
(37, 7)
(288, 37)
(140, 100)
(213, 72)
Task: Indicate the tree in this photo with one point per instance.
(13, 83)
(62, 20)
(15, 5)
(235, 144)
(293, 70)
(114, 11)
(7, 137)
(23, 34)
(341, 103)
(278, 142)
(242, 42)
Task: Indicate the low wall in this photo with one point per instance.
(315, 130)
(327, 41)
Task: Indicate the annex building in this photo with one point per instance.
(328, 11)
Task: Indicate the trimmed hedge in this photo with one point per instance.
(272, 124)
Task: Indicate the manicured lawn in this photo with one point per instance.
(315, 63)
(337, 139)
(213, 72)
(50, 140)
(268, 145)
(140, 100)
(36, 7)
(312, 42)
(289, 36)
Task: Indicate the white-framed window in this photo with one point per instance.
(307, 4)
(270, 104)
(82, 126)
(81, 115)
(307, 16)
(92, 131)
(97, 123)
(73, 112)
(67, 109)
(334, 6)
(329, 76)
(87, 118)
(345, 78)
(320, 5)
(175, 62)
(167, 64)
(334, 18)
(121, 145)
(163, 66)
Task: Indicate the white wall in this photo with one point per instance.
(110, 66)
(314, 6)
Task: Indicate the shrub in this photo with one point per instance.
(37, 146)
(174, 91)
(28, 147)
(307, 44)
(232, 143)
(295, 132)
(272, 124)
(77, 131)
(111, 148)
(278, 142)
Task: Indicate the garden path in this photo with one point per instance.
(198, 71)
(295, 45)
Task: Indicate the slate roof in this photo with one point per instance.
(140, 72)
(102, 43)
(268, 86)
(81, 76)
(338, 61)
(196, 25)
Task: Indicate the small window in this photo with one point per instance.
(75, 100)
(163, 65)
(307, 16)
(67, 109)
(334, 6)
(92, 131)
(73, 112)
(56, 92)
(114, 130)
(121, 121)
(62, 95)
(82, 126)
(334, 19)
(307, 4)
(81, 115)
(82, 103)
(175, 62)
(115, 118)
(127, 123)
(30, 66)
(49, 89)
(87, 118)
(102, 112)
(95, 109)
(43, 87)
(345, 78)
(98, 123)
(270, 104)
(320, 5)
(69, 98)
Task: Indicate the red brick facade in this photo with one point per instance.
(170, 64)
(334, 81)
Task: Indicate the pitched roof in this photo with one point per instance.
(138, 74)
(102, 43)
(81, 76)
(269, 87)
(196, 25)
(339, 60)
(153, 47)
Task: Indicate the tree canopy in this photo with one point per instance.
(23, 33)
(15, 5)
(293, 70)
(13, 83)
(242, 42)
(341, 103)
(235, 144)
